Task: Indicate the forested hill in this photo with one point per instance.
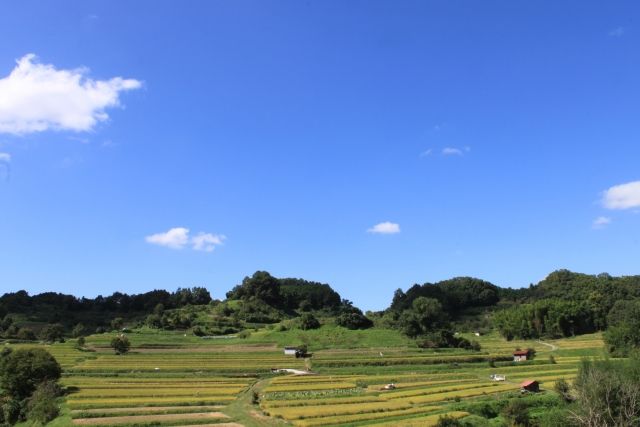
(563, 304)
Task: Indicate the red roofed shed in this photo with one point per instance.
(530, 385)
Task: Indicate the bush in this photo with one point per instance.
(120, 344)
(308, 321)
(244, 334)
(563, 389)
(42, 406)
(353, 320)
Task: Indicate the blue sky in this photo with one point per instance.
(367, 144)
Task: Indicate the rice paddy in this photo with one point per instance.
(195, 382)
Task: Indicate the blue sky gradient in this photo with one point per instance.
(488, 131)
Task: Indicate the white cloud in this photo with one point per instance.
(601, 222)
(5, 157)
(206, 241)
(623, 196)
(36, 97)
(617, 32)
(385, 228)
(426, 153)
(452, 151)
(178, 238)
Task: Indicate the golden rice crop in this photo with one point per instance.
(369, 416)
(333, 410)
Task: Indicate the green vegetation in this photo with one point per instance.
(431, 358)
(28, 387)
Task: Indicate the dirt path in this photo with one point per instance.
(553, 347)
(249, 415)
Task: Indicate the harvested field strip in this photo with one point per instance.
(307, 387)
(334, 410)
(158, 410)
(212, 386)
(429, 420)
(326, 401)
(157, 401)
(106, 393)
(337, 420)
(149, 418)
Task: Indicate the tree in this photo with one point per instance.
(308, 321)
(154, 321)
(353, 319)
(21, 371)
(26, 334)
(79, 330)
(52, 333)
(261, 286)
(117, 323)
(607, 394)
(516, 413)
(425, 316)
(41, 406)
(120, 344)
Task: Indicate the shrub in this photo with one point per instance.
(563, 389)
(244, 334)
(120, 344)
(42, 406)
(308, 321)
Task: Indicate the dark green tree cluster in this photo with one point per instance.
(266, 299)
(28, 388)
(552, 318)
(454, 294)
(623, 334)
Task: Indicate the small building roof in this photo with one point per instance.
(521, 353)
(290, 347)
(527, 383)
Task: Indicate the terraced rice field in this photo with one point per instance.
(191, 382)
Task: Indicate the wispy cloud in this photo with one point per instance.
(385, 228)
(617, 32)
(37, 97)
(178, 238)
(601, 222)
(206, 242)
(452, 151)
(623, 196)
(5, 157)
(447, 151)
